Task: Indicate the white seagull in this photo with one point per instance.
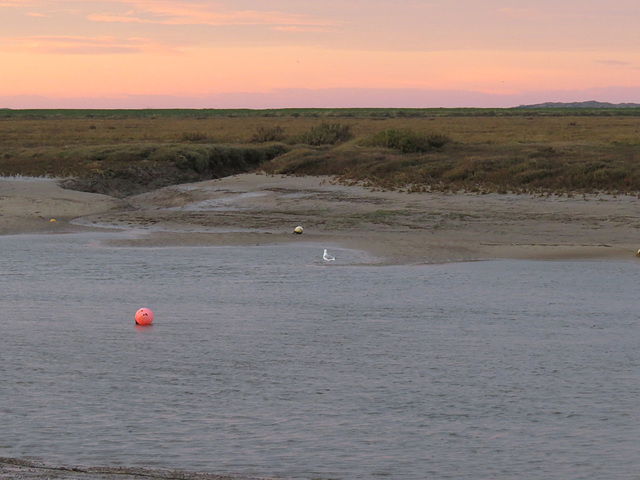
(327, 257)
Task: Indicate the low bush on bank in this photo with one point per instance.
(327, 134)
(266, 134)
(408, 141)
(194, 137)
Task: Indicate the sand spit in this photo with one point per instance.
(397, 227)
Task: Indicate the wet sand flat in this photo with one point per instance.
(396, 227)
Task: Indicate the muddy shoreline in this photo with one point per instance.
(14, 469)
(396, 227)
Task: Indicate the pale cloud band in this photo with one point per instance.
(81, 45)
(164, 12)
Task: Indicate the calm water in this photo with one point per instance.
(265, 361)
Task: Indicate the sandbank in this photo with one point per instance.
(395, 227)
(40, 205)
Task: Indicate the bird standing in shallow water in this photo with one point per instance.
(327, 257)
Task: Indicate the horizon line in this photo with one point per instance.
(332, 98)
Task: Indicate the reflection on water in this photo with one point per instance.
(269, 361)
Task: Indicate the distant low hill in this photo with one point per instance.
(589, 104)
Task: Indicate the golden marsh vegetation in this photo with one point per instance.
(476, 150)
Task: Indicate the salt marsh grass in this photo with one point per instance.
(519, 150)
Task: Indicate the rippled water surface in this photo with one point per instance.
(267, 361)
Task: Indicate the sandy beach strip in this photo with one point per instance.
(396, 227)
(34, 205)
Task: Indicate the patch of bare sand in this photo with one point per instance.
(28, 205)
(397, 227)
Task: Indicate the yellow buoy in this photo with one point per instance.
(53, 219)
(298, 230)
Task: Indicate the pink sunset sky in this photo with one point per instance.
(308, 53)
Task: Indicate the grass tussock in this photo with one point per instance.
(477, 150)
(264, 134)
(407, 141)
(327, 134)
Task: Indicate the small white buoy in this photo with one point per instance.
(638, 253)
(327, 257)
(298, 230)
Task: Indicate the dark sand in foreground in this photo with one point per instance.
(12, 468)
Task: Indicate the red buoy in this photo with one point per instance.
(144, 316)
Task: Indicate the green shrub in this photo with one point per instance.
(268, 134)
(437, 140)
(408, 141)
(194, 136)
(327, 134)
